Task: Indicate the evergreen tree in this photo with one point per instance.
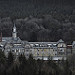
(2, 63)
(10, 58)
(32, 65)
(2, 57)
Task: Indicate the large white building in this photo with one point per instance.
(39, 50)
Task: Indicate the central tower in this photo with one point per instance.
(14, 33)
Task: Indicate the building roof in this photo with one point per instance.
(73, 43)
(43, 42)
(4, 39)
(60, 41)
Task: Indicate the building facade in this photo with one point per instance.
(39, 50)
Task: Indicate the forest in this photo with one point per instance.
(40, 29)
(22, 66)
(39, 20)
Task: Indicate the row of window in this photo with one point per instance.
(42, 45)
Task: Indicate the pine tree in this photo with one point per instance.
(10, 58)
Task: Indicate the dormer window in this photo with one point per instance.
(49, 45)
(32, 45)
(40, 45)
(36, 45)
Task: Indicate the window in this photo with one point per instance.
(27, 54)
(19, 50)
(40, 45)
(12, 50)
(61, 45)
(55, 54)
(37, 53)
(32, 45)
(38, 50)
(15, 50)
(36, 45)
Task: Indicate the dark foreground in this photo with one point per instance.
(23, 66)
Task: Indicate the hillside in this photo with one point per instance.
(23, 8)
(39, 20)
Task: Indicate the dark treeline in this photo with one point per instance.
(44, 28)
(22, 66)
(50, 1)
(22, 8)
(39, 20)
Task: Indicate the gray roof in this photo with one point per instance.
(10, 39)
(6, 38)
(73, 43)
(60, 41)
(42, 42)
